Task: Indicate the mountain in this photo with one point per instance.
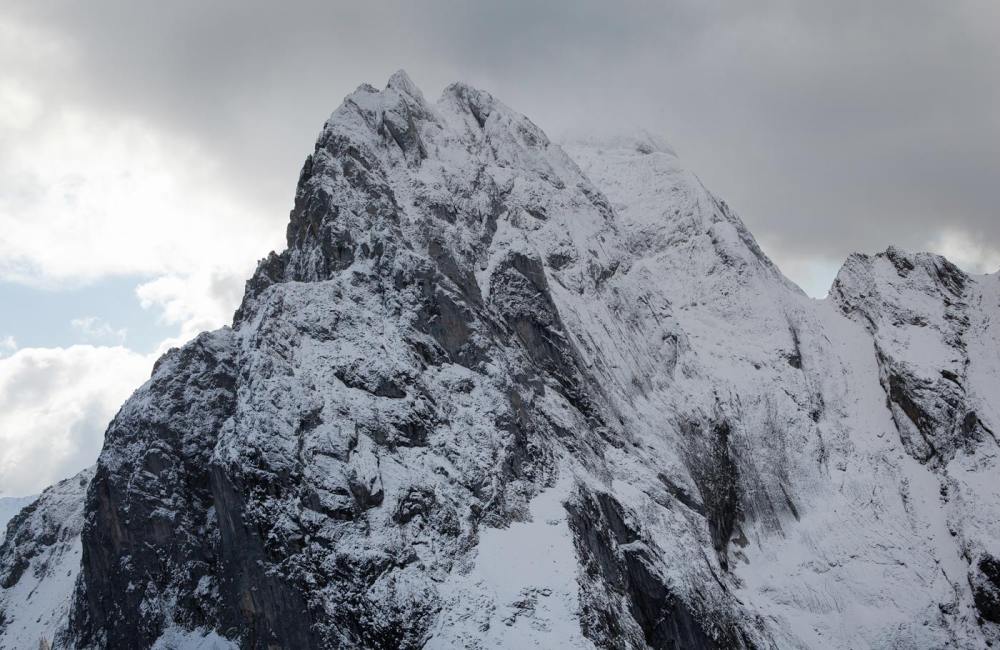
(39, 563)
(10, 506)
(502, 393)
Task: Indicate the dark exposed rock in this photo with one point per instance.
(717, 475)
(986, 588)
(267, 609)
(682, 495)
(156, 493)
(416, 502)
(616, 555)
(520, 291)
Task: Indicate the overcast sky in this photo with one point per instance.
(149, 151)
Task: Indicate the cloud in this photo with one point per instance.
(813, 273)
(88, 197)
(830, 127)
(54, 406)
(966, 251)
(194, 302)
(7, 345)
(91, 188)
(96, 330)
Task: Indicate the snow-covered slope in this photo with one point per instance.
(39, 564)
(502, 393)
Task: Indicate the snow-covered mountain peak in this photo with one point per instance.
(618, 137)
(502, 393)
(667, 215)
(401, 82)
(898, 271)
(467, 179)
(925, 315)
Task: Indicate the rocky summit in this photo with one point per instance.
(499, 392)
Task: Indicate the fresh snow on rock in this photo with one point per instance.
(499, 392)
(520, 591)
(10, 506)
(177, 639)
(39, 564)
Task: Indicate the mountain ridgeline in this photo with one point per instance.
(498, 392)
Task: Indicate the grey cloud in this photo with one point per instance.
(831, 127)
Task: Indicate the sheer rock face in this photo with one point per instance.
(500, 393)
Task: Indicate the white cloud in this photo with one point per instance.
(97, 330)
(975, 256)
(54, 406)
(87, 191)
(87, 197)
(18, 108)
(195, 302)
(7, 345)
